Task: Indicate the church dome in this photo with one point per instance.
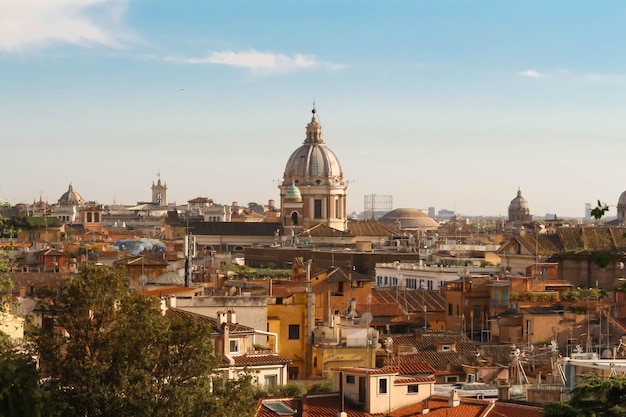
(519, 202)
(313, 163)
(409, 219)
(71, 198)
(518, 209)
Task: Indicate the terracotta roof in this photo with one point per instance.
(410, 300)
(438, 407)
(159, 292)
(141, 260)
(230, 228)
(255, 360)
(372, 228)
(573, 240)
(405, 369)
(321, 230)
(337, 274)
(423, 349)
(380, 309)
(328, 405)
(233, 328)
(414, 380)
(502, 409)
(36, 279)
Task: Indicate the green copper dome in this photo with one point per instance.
(293, 194)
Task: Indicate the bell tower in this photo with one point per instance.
(159, 193)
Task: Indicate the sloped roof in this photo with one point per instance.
(572, 240)
(338, 274)
(321, 230)
(327, 405)
(233, 328)
(412, 301)
(233, 228)
(371, 228)
(254, 360)
(141, 260)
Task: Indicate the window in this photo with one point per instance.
(96, 217)
(382, 385)
(234, 345)
(317, 209)
(349, 379)
(412, 389)
(450, 309)
(294, 332)
(89, 217)
(270, 380)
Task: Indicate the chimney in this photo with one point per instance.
(163, 306)
(172, 301)
(221, 318)
(454, 400)
(271, 203)
(231, 316)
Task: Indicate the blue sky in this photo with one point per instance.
(452, 104)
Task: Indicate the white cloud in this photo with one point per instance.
(25, 24)
(531, 73)
(260, 61)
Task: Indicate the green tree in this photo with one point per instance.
(594, 396)
(115, 354)
(20, 395)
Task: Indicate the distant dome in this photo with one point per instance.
(409, 219)
(313, 163)
(71, 198)
(518, 209)
(621, 208)
(622, 200)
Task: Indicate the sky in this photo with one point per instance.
(451, 104)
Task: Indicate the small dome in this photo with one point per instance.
(168, 278)
(293, 194)
(71, 198)
(313, 163)
(409, 219)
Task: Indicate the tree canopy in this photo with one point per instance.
(594, 396)
(112, 353)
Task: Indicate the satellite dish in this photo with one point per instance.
(143, 280)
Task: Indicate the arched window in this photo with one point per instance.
(294, 218)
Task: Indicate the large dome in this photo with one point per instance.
(313, 163)
(409, 219)
(519, 202)
(71, 198)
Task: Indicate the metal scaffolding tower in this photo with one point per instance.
(376, 205)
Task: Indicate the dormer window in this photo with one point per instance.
(446, 347)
